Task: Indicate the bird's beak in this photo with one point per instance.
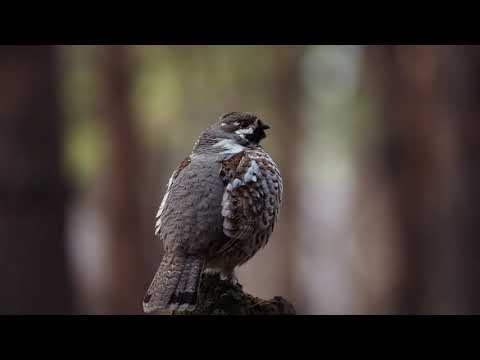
(262, 125)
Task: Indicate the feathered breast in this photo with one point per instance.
(252, 196)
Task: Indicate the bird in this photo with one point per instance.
(220, 207)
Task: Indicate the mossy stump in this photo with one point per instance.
(222, 297)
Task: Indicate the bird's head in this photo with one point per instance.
(232, 133)
(245, 128)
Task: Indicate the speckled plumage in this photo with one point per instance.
(219, 209)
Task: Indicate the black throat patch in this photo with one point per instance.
(257, 135)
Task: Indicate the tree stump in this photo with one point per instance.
(222, 297)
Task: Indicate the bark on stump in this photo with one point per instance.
(221, 297)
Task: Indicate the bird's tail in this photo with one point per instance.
(175, 284)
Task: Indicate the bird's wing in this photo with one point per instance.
(252, 196)
(158, 217)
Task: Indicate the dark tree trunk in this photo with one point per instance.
(408, 158)
(461, 84)
(123, 181)
(429, 156)
(34, 273)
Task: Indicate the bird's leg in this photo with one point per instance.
(233, 278)
(225, 274)
(217, 270)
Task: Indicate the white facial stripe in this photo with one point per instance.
(230, 146)
(244, 131)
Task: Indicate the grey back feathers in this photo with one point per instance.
(219, 209)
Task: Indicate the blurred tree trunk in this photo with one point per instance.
(122, 205)
(461, 84)
(407, 159)
(429, 156)
(33, 259)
